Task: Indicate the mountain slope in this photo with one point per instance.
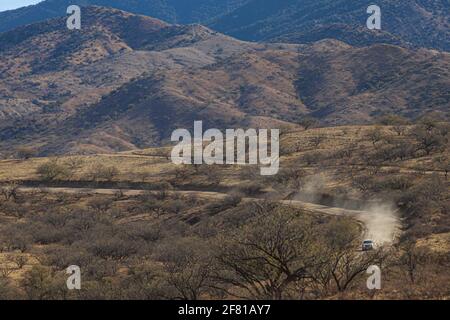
(341, 83)
(422, 23)
(126, 81)
(82, 77)
(173, 11)
(419, 23)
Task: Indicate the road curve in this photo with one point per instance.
(381, 224)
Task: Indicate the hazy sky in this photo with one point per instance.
(13, 4)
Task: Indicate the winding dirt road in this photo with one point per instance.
(381, 223)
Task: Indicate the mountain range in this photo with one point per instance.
(172, 11)
(412, 23)
(126, 81)
(419, 23)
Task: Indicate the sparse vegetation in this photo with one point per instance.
(26, 152)
(101, 172)
(86, 176)
(52, 170)
(231, 243)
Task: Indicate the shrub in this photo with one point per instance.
(308, 122)
(175, 206)
(113, 248)
(375, 135)
(393, 119)
(53, 170)
(74, 163)
(9, 191)
(251, 189)
(103, 172)
(230, 201)
(313, 157)
(428, 139)
(41, 283)
(100, 204)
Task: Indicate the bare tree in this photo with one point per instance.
(100, 204)
(268, 256)
(188, 268)
(412, 259)
(342, 263)
(308, 122)
(375, 135)
(9, 191)
(317, 140)
(363, 183)
(101, 172)
(428, 139)
(443, 163)
(399, 129)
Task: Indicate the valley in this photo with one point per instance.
(93, 122)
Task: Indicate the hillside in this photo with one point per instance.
(172, 11)
(126, 81)
(140, 226)
(421, 23)
(352, 85)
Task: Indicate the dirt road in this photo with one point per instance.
(381, 223)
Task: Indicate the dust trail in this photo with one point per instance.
(312, 188)
(382, 222)
(381, 218)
